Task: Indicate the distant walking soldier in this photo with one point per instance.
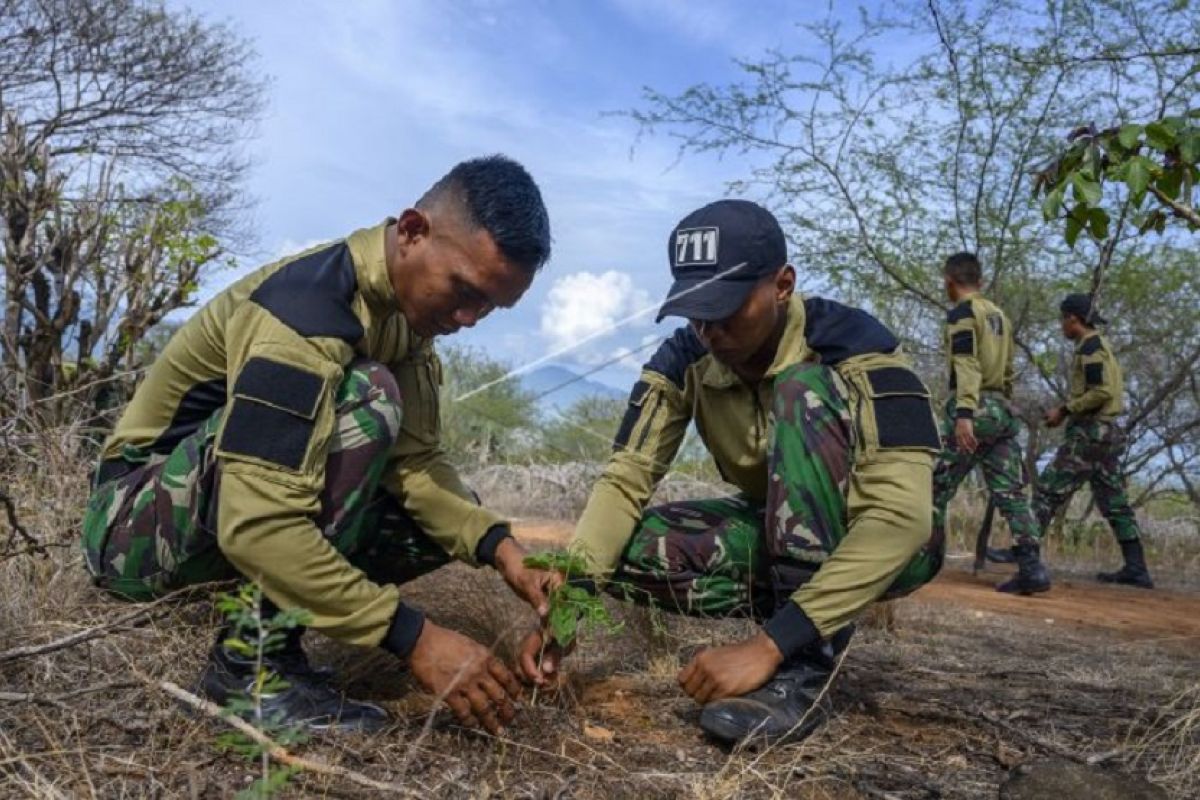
(980, 428)
(1094, 443)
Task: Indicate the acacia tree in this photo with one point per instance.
(485, 418)
(888, 141)
(120, 181)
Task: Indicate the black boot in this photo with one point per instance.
(1001, 555)
(786, 708)
(1135, 572)
(1032, 576)
(309, 700)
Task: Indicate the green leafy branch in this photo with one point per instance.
(255, 637)
(1158, 159)
(573, 609)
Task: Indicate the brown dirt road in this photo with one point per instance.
(1133, 613)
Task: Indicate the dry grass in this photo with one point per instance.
(934, 702)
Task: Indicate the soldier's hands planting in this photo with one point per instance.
(476, 685)
(732, 670)
(531, 585)
(540, 656)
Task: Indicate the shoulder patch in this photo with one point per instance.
(959, 312)
(837, 332)
(271, 416)
(313, 294)
(676, 354)
(1091, 345)
(962, 343)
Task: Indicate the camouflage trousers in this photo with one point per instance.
(732, 556)
(1091, 451)
(153, 529)
(998, 456)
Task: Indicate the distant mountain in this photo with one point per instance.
(562, 387)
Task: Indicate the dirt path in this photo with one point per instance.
(1134, 613)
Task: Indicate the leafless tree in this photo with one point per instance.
(120, 182)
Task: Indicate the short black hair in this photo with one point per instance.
(499, 195)
(964, 269)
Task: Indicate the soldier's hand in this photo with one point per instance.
(964, 434)
(732, 670)
(476, 685)
(539, 657)
(1055, 416)
(531, 585)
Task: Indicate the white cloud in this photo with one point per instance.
(585, 304)
(632, 358)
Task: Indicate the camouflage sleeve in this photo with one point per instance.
(272, 447)
(890, 513)
(645, 445)
(962, 340)
(1098, 378)
(421, 476)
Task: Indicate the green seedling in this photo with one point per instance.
(255, 637)
(573, 609)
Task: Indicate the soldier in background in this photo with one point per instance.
(1094, 443)
(980, 428)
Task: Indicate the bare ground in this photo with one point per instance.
(958, 688)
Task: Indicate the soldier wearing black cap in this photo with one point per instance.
(810, 409)
(1094, 442)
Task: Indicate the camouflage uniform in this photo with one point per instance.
(230, 439)
(1094, 443)
(734, 556)
(832, 452)
(980, 351)
(153, 529)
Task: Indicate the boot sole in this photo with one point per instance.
(730, 734)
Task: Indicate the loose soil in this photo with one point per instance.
(960, 687)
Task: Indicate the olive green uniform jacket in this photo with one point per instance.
(890, 491)
(270, 350)
(1097, 384)
(979, 341)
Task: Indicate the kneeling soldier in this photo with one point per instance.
(810, 409)
(288, 434)
(1094, 442)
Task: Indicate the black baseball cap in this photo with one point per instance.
(718, 253)
(1081, 306)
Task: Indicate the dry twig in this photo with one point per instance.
(277, 751)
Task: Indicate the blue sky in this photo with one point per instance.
(372, 101)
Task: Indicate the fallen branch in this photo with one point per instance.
(10, 511)
(277, 751)
(79, 637)
(59, 700)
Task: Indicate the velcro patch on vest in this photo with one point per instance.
(1093, 374)
(906, 421)
(272, 414)
(636, 398)
(895, 380)
(962, 343)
